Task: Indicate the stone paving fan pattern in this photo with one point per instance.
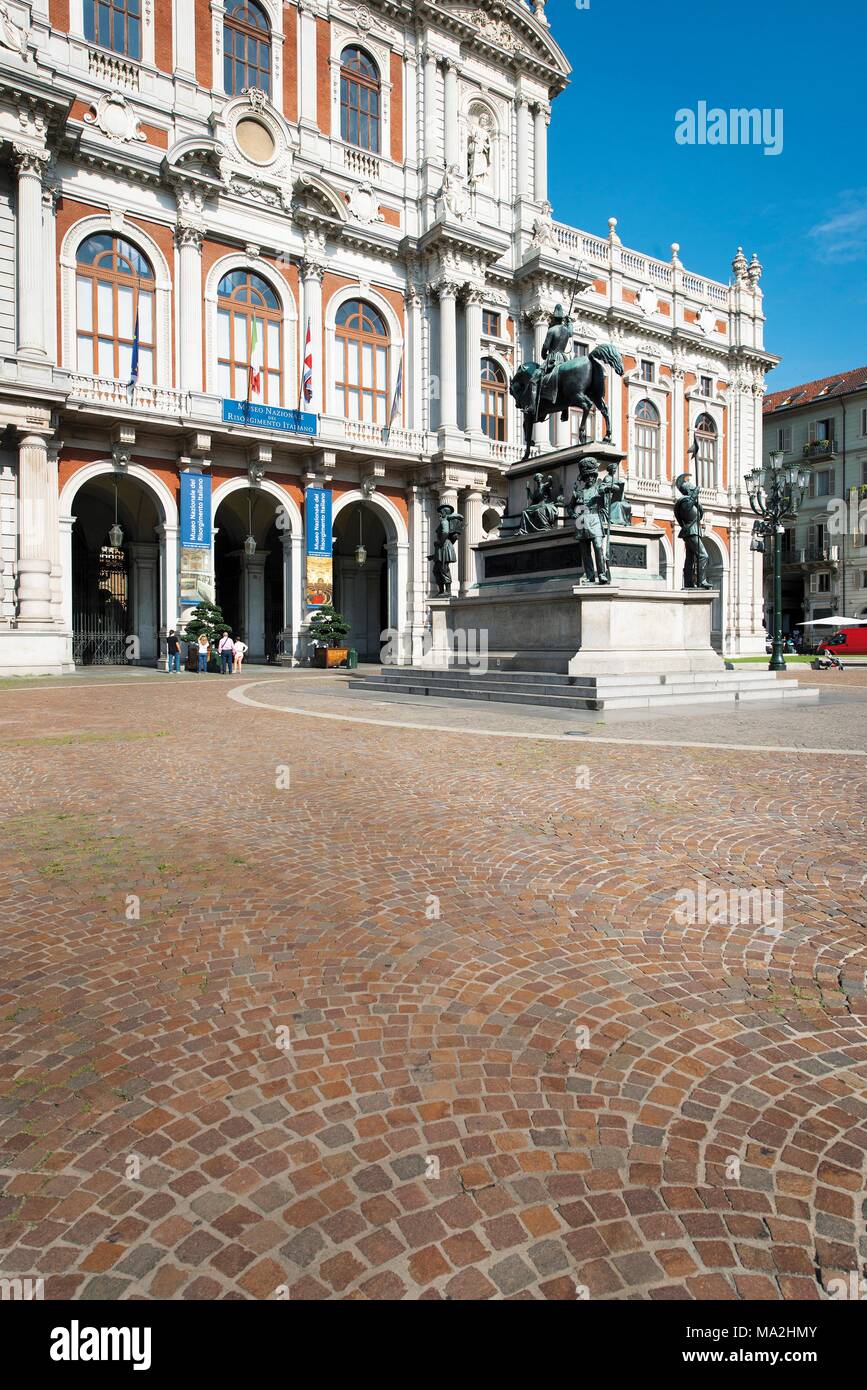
(414, 1038)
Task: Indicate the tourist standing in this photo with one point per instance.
(226, 648)
(173, 647)
(240, 653)
(203, 652)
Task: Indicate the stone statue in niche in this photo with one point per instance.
(479, 147)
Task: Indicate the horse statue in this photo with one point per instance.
(580, 381)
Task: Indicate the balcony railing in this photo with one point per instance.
(820, 448)
(361, 162)
(113, 70)
(103, 391)
(811, 555)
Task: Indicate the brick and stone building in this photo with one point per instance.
(376, 173)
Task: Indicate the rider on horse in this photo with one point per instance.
(557, 339)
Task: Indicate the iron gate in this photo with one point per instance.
(100, 607)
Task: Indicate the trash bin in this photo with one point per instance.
(352, 659)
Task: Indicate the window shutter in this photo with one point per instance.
(832, 485)
(811, 432)
(812, 488)
(814, 583)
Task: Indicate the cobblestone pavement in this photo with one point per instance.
(291, 1005)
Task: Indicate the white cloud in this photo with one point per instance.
(843, 236)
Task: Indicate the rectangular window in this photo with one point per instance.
(864, 472)
(824, 584)
(784, 438)
(864, 420)
(823, 483)
(864, 579)
(490, 323)
(580, 349)
(820, 430)
(706, 386)
(647, 370)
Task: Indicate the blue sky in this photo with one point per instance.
(804, 210)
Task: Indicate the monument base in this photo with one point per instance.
(593, 629)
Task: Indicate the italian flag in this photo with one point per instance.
(254, 383)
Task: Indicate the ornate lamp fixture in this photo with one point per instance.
(360, 552)
(250, 542)
(115, 532)
(775, 494)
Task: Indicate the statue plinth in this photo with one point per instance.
(559, 464)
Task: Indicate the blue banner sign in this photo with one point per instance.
(319, 583)
(318, 520)
(268, 417)
(195, 511)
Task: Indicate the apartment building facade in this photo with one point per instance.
(824, 424)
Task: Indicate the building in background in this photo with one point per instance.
(213, 214)
(824, 423)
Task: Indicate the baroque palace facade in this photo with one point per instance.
(186, 185)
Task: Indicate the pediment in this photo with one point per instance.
(507, 28)
(314, 199)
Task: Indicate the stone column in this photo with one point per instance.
(541, 116)
(307, 67)
(34, 545)
(146, 618)
(410, 107)
(539, 320)
(523, 141)
(189, 244)
(418, 568)
(185, 39)
(29, 165)
(168, 536)
(312, 271)
(472, 534)
(452, 144)
(448, 292)
(253, 602)
(430, 106)
(49, 263)
(54, 533)
(413, 378)
(473, 314)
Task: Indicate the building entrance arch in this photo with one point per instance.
(118, 594)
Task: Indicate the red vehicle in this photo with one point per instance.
(849, 641)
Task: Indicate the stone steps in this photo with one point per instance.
(587, 692)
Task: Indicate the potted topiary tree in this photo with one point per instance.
(327, 630)
(206, 618)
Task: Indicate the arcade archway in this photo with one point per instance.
(116, 595)
(250, 574)
(361, 589)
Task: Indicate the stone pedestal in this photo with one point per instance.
(578, 630)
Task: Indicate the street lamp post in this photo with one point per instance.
(776, 493)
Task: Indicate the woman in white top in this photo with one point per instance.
(240, 653)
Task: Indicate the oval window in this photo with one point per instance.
(254, 140)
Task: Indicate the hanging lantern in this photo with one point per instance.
(360, 552)
(115, 532)
(250, 542)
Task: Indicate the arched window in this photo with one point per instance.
(359, 100)
(646, 440)
(114, 24)
(493, 399)
(706, 460)
(249, 339)
(114, 287)
(246, 48)
(361, 362)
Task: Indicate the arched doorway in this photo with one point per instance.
(116, 583)
(361, 590)
(250, 578)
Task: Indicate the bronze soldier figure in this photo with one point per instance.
(689, 512)
(587, 507)
(557, 340)
(444, 555)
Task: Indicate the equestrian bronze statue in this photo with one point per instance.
(562, 382)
